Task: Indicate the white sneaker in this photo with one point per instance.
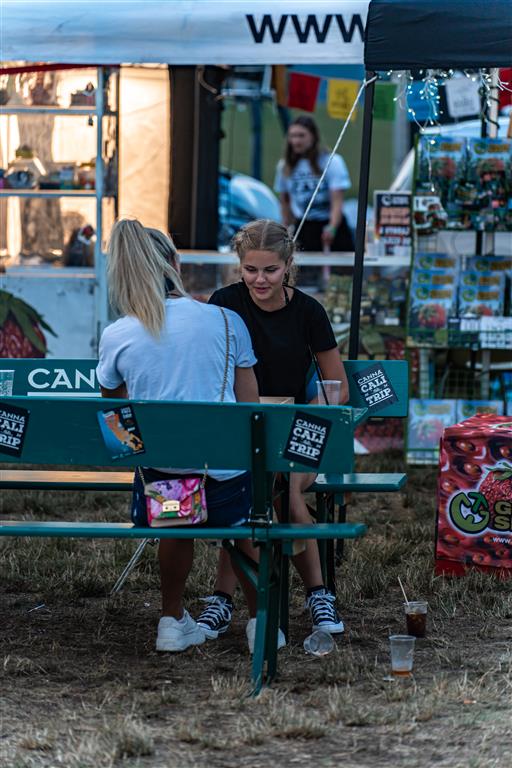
(250, 631)
(178, 634)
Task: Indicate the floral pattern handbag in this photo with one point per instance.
(175, 501)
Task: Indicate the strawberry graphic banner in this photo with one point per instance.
(474, 510)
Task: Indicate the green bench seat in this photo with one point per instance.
(359, 482)
(65, 432)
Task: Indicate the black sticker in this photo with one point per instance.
(375, 387)
(307, 439)
(120, 432)
(13, 426)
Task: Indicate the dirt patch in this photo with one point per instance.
(81, 684)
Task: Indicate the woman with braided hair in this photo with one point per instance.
(286, 326)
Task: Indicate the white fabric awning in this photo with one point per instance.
(183, 31)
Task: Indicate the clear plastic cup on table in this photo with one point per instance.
(328, 392)
(6, 382)
(402, 654)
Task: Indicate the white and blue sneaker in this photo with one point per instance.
(178, 634)
(324, 615)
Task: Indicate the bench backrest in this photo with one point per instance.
(382, 386)
(369, 382)
(221, 435)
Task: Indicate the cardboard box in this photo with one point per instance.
(474, 496)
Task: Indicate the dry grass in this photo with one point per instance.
(81, 685)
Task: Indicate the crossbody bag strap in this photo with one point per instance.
(318, 371)
(226, 361)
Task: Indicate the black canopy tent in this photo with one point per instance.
(422, 34)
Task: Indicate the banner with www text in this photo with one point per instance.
(185, 31)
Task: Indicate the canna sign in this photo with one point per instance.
(53, 378)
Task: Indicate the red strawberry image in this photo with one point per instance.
(432, 316)
(21, 329)
(497, 485)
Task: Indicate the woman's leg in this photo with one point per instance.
(307, 562)
(175, 559)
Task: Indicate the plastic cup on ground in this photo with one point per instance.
(416, 616)
(319, 643)
(402, 654)
(330, 389)
(6, 383)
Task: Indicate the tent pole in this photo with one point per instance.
(362, 203)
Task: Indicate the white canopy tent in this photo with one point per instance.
(184, 31)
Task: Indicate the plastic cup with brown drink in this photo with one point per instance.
(402, 654)
(416, 617)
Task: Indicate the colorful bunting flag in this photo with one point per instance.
(302, 91)
(384, 108)
(341, 95)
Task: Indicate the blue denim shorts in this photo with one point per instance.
(228, 501)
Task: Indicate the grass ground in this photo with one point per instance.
(81, 684)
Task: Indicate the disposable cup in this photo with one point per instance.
(329, 389)
(402, 654)
(319, 643)
(6, 382)
(416, 617)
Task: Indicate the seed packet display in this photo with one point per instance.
(485, 279)
(120, 432)
(482, 301)
(432, 297)
(427, 420)
(489, 177)
(428, 216)
(440, 170)
(468, 408)
(490, 264)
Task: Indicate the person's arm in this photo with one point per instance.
(332, 368)
(120, 392)
(286, 211)
(246, 386)
(336, 206)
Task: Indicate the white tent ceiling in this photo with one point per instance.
(183, 31)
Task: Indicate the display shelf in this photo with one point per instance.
(52, 193)
(67, 111)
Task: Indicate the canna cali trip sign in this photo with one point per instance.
(53, 378)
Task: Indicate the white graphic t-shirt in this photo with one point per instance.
(301, 183)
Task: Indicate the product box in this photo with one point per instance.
(474, 496)
(490, 264)
(427, 420)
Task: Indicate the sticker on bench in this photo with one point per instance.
(13, 427)
(120, 432)
(375, 387)
(307, 439)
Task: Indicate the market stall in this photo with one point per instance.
(157, 33)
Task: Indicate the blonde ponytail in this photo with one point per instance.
(136, 271)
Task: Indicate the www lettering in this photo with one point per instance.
(303, 29)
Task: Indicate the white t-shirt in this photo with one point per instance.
(301, 183)
(186, 362)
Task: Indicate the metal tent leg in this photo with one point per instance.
(132, 562)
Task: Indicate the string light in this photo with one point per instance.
(428, 92)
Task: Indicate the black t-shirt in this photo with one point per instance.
(281, 339)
